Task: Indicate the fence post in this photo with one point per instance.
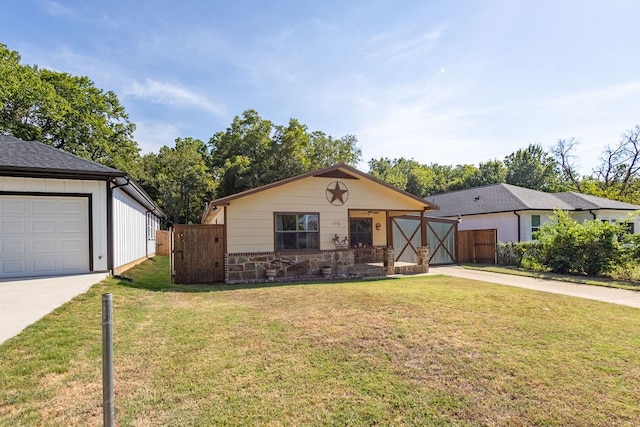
(107, 360)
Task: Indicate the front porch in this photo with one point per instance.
(315, 265)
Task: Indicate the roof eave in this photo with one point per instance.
(58, 173)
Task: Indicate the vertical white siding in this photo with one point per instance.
(98, 191)
(129, 229)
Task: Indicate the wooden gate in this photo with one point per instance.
(406, 238)
(478, 246)
(440, 235)
(163, 244)
(441, 238)
(198, 254)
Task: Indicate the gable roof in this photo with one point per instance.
(32, 158)
(339, 170)
(507, 198)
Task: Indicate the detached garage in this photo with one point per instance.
(61, 214)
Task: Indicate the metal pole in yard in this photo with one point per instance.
(107, 360)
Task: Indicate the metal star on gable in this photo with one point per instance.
(337, 195)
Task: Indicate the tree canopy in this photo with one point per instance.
(65, 111)
(71, 113)
(179, 180)
(254, 152)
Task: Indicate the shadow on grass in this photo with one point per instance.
(166, 286)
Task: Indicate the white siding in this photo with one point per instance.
(129, 229)
(98, 192)
(506, 223)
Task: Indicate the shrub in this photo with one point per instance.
(519, 254)
(568, 247)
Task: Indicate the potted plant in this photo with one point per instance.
(271, 273)
(326, 272)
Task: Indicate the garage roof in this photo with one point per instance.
(36, 158)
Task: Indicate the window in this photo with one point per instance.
(151, 226)
(535, 224)
(631, 228)
(360, 232)
(296, 231)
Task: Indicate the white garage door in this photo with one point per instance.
(43, 235)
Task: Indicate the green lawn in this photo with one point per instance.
(586, 280)
(415, 351)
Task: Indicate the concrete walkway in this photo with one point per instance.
(598, 293)
(22, 302)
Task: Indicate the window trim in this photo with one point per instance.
(275, 231)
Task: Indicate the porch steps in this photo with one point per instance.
(368, 270)
(376, 269)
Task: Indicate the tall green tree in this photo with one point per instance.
(532, 167)
(254, 152)
(179, 180)
(488, 173)
(422, 180)
(65, 111)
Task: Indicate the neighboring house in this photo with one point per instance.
(334, 217)
(61, 214)
(516, 212)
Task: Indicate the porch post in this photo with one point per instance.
(423, 229)
(389, 263)
(423, 259)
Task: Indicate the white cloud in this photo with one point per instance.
(151, 135)
(56, 9)
(594, 97)
(394, 46)
(171, 94)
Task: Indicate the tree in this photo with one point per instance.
(565, 160)
(66, 112)
(533, 168)
(396, 172)
(620, 164)
(490, 172)
(179, 180)
(254, 152)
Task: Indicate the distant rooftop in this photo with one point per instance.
(506, 198)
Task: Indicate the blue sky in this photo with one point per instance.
(447, 82)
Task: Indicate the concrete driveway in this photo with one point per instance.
(598, 293)
(24, 301)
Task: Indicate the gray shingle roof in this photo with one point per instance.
(585, 201)
(36, 157)
(505, 198)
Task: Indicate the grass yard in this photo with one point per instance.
(414, 351)
(586, 280)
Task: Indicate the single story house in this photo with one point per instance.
(61, 214)
(336, 217)
(517, 212)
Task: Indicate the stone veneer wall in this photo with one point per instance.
(252, 266)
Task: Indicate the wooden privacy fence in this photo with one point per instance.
(478, 246)
(163, 243)
(198, 254)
